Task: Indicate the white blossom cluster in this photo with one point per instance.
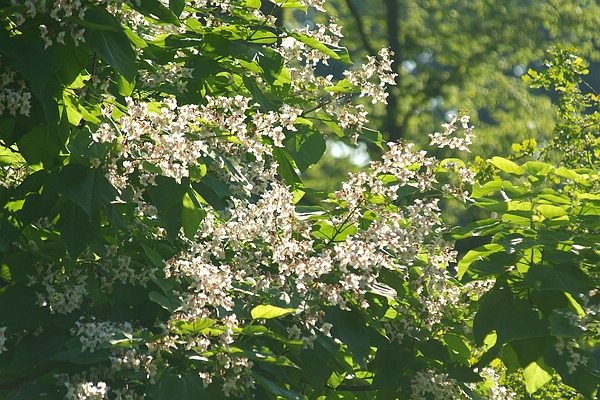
(3, 339)
(61, 13)
(380, 67)
(174, 139)
(14, 94)
(266, 247)
(130, 358)
(172, 73)
(449, 137)
(64, 291)
(94, 333)
(439, 386)
(90, 386)
(568, 346)
(87, 390)
(496, 391)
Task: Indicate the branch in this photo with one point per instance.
(353, 388)
(361, 29)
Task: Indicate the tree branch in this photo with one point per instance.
(361, 29)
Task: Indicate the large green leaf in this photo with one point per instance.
(191, 214)
(177, 6)
(536, 375)
(351, 328)
(158, 10)
(76, 228)
(494, 306)
(521, 323)
(113, 46)
(482, 227)
(506, 165)
(478, 254)
(267, 311)
(306, 147)
(84, 186)
(41, 145)
(171, 385)
(566, 277)
(167, 192)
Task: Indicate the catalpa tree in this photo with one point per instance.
(153, 243)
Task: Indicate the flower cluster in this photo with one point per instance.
(3, 339)
(380, 67)
(439, 386)
(14, 94)
(86, 390)
(92, 333)
(64, 291)
(60, 12)
(450, 139)
(568, 346)
(496, 391)
(178, 138)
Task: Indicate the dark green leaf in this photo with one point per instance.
(76, 228)
(177, 6)
(171, 385)
(156, 9)
(41, 145)
(84, 186)
(566, 277)
(494, 306)
(113, 46)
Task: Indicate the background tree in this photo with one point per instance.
(471, 54)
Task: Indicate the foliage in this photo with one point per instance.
(576, 138)
(152, 245)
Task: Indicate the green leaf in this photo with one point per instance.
(41, 145)
(286, 167)
(156, 9)
(306, 147)
(494, 306)
(169, 304)
(267, 311)
(291, 4)
(350, 327)
(478, 254)
(343, 86)
(191, 214)
(273, 388)
(84, 186)
(538, 168)
(457, 348)
(171, 385)
(482, 227)
(536, 375)
(521, 324)
(506, 165)
(177, 6)
(76, 228)
(565, 277)
(337, 53)
(113, 46)
(550, 211)
(167, 192)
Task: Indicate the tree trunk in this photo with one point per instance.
(391, 126)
